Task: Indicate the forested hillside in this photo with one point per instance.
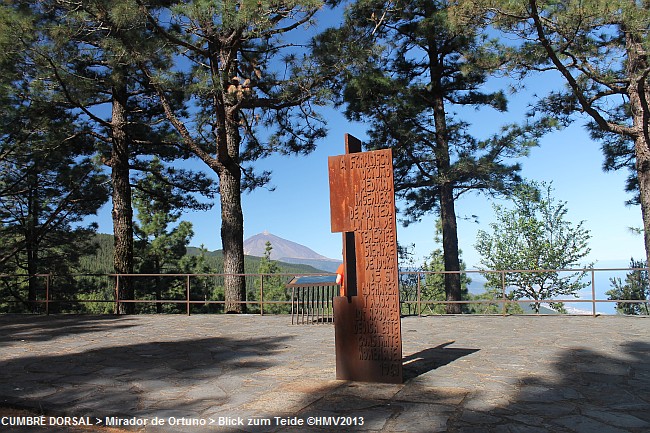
(102, 261)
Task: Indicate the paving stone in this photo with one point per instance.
(583, 424)
(342, 402)
(206, 391)
(109, 404)
(527, 419)
(546, 394)
(474, 417)
(518, 428)
(431, 394)
(548, 410)
(471, 429)
(373, 391)
(419, 418)
(38, 392)
(618, 419)
(66, 396)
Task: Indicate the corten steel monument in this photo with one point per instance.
(367, 317)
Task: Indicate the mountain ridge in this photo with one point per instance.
(288, 251)
(256, 246)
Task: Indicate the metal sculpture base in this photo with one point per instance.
(362, 356)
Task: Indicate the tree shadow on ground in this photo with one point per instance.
(588, 391)
(429, 359)
(184, 377)
(45, 328)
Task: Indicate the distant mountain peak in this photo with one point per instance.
(282, 248)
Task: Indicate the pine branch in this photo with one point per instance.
(582, 99)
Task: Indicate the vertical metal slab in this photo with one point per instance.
(367, 325)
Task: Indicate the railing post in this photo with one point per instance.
(47, 294)
(593, 291)
(303, 304)
(503, 292)
(117, 294)
(261, 294)
(419, 296)
(187, 287)
(293, 301)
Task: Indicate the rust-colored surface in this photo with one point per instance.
(367, 322)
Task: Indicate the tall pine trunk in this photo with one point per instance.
(232, 53)
(232, 215)
(122, 209)
(229, 172)
(637, 65)
(450, 248)
(232, 239)
(643, 172)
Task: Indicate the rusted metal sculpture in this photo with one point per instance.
(367, 318)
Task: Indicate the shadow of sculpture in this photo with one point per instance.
(429, 359)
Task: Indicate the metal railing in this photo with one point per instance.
(313, 303)
(265, 293)
(503, 298)
(87, 293)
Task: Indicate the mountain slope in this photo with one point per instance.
(256, 245)
(288, 251)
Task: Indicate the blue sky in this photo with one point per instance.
(298, 209)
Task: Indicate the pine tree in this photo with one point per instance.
(48, 180)
(403, 68)
(202, 286)
(158, 247)
(253, 94)
(635, 288)
(600, 49)
(274, 286)
(433, 286)
(92, 50)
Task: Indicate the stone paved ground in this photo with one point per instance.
(463, 374)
